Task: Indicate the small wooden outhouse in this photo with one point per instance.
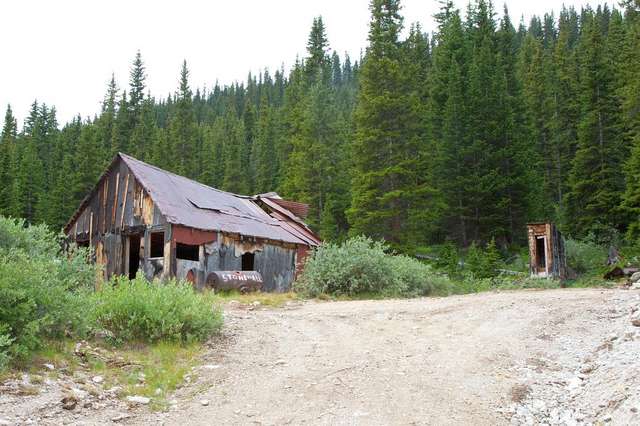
(546, 251)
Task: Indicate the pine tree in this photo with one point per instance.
(235, 179)
(213, 165)
(121, 130)
(145, 134)
(447, 121)
(182, 129)
(7, 157)
(596, 180)
(512, 149)
(386, 163)
(137, 87)
(106, 121)
(263, 155)
(250, 130)
(564, 108)
(28, 181)
(60, 199)
(630, 95)
(85, 172)
(317, 48)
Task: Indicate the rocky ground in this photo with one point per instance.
(526, 357)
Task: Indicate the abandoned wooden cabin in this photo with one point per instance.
(140, 217)
(546, 251)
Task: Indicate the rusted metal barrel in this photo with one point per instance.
(244, 281)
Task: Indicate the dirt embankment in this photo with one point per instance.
(553, 357)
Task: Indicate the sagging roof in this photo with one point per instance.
(185, 202)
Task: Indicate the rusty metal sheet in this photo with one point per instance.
(290, 221)
(192, 236)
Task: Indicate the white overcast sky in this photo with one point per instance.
(63, 52)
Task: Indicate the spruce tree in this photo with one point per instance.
(106, 121)
(7, 158)
(596, 181)
(235, 179)
(386, 151)
(137, 87)
(145, 134)
(630, 95)
(263, 155)
(121, 130)
(182, 129)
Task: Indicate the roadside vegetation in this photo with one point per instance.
(143, 336)
(363, 268)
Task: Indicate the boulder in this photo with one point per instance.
(635, 277)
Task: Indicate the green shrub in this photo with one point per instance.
(361, 266)
(139, 310)
(42, 290)
(586, 256)
(449, 259)
(483, 263)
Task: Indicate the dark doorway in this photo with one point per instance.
(541, 255)
(247, 261)
(134, 255)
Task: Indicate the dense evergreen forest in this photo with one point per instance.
(461, 134)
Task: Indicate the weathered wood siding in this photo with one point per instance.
(119, 206)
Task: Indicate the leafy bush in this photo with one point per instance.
(42, 290)
(586, 256)
(361, 266)
(139, 310)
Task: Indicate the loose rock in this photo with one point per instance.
(139, 399)
(69, 402)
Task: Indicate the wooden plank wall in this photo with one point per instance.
(118, 206)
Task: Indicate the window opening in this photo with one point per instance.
(157, 244)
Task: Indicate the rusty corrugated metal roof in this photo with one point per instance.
(186, 202)
(293, 223)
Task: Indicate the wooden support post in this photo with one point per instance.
(91, 229)
(115, 203)
(105, 195)
(127, 256)
(124, 201)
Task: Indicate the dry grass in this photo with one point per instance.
(519, 393)
(265, 299)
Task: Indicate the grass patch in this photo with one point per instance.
(267, 299)
(160, 369)
(154, 370)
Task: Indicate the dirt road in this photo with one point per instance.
(520, 357)
(477, 359)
